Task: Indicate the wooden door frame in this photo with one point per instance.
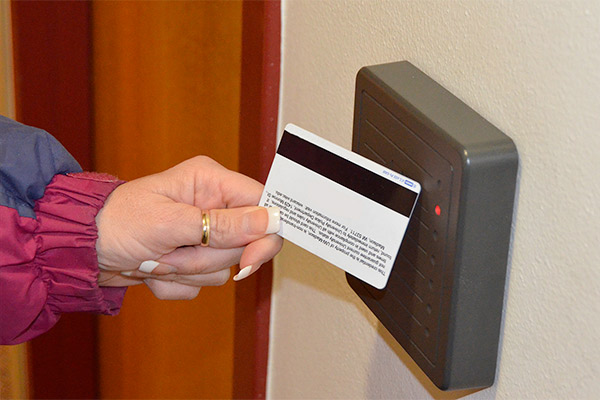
(259, 106)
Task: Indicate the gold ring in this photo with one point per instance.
(205, 241)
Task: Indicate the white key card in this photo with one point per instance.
(339, 205)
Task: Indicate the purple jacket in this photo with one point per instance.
(48, 262)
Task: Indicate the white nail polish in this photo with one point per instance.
(148, 266)
(127, 273)
(274, 221)
(243, 273)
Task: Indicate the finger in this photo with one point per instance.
(217, 278)
(257, 253)
(182, 225)
(109, 278)
(237, 227)
(192, 260)
(189, 260)
(166, 290)
(213, 279)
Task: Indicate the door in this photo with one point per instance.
(167, 88)
(159, 72)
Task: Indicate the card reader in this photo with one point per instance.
(444, 298)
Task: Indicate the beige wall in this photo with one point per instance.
(532, 68)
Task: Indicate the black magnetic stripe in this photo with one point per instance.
(346, 173)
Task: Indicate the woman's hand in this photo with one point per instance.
(157, 220)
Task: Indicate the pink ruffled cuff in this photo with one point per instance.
(66, 242)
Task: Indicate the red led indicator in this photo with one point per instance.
(438, 210)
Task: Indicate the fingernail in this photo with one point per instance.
(274, 220)
(148, 266)
(244, 273)
(127, 273)
(153, 267)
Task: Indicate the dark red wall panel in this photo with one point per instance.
(52, 59)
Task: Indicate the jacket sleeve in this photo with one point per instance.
(48, 261)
